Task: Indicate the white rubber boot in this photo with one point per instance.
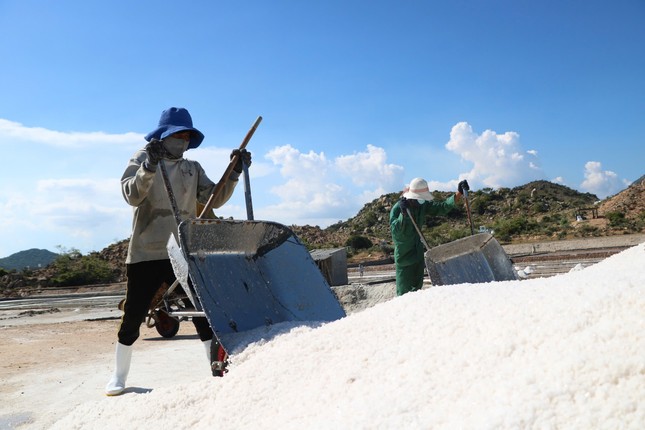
(207, 345)
(117, 382)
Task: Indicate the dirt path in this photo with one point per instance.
(48, 369)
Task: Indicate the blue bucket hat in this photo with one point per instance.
(174, 120)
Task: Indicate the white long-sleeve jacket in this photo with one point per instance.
(153, 219)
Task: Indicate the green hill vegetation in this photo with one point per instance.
(537, 211)
(29, 259)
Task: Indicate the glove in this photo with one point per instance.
(155, 151)
(244, 157)
(404, 205)
(463, 185)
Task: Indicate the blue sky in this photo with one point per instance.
(357, 98)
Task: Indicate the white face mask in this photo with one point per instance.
(421, 201)
(176, 147)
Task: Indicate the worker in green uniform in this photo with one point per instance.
(408, 248)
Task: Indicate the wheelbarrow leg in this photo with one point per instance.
(218, 358)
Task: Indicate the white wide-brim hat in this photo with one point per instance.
(418, 190)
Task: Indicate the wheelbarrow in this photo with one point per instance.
(242, 275)
(473, 259)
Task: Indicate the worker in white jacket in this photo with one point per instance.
(148, 265)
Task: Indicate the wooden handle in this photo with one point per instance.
(416, 227)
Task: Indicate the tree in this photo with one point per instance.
(359, 242)
(73, 269)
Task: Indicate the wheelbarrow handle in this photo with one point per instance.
(171, 194)
(470, 218)
(220, 185)
(247, 192)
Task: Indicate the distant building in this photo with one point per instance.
(332, 264)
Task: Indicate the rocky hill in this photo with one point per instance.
(537, 211)
(630, 201)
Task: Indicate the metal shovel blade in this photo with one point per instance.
(249, 274)
(473, 259)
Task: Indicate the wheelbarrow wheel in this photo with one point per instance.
(166, 325)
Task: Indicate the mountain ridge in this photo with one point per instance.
(28, 259)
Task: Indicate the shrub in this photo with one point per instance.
(359, 242)
(588, 230)
(506, 229)
(371, 219)
(616, 219)
(479, 205)
(74, 269)
(386, 249)
(539, 207)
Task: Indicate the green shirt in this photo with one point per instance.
(408, 248)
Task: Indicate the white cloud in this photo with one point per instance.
(68, 200)
(324, 190)
(498, 160)
(601, 183)
(78, 186)
(73, 198)
(370, 168)
(558, 180)
(215, 160)
(79, 213)
(306, 174)
(308, 191)
(11, 131)
(70, 194)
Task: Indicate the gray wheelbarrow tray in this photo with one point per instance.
(248, 274)
(473, 259)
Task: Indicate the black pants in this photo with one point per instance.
(144, 279)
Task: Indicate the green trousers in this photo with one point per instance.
(409, 277)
